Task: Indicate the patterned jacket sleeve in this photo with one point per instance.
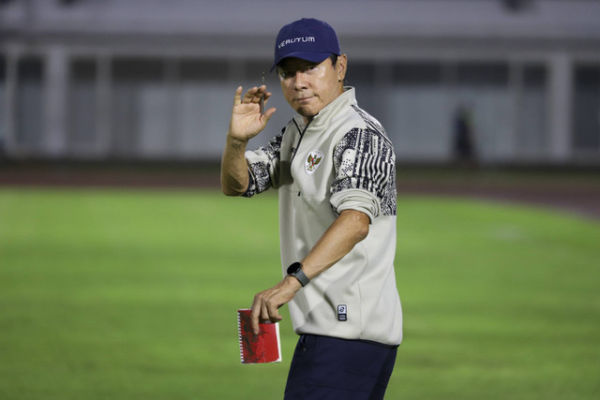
(263, 166)
(364, 163)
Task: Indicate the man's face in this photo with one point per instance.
(308, 86)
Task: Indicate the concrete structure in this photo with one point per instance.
(154, 79)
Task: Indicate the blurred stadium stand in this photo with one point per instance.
(154, 80)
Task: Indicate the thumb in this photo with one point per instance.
(268, 114)
(273, 313)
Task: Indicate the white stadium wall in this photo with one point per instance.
(132, 79)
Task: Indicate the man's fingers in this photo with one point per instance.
(264, 313)
(256, 310)
(265, 99)
(237, 99)
(266, 304)
(250, 95)
(256, 94)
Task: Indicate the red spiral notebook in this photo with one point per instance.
(262, 348)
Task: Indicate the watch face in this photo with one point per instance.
(295, 267)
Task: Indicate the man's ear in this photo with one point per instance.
(341, 66)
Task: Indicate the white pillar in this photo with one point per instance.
(56, 80)
(450, 91)
(560, 91)
(515, 88)
(10, 102)
(103, 139)
(172, 82)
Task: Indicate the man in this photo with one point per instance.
(333, 166)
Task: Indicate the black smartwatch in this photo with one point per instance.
(295, 270)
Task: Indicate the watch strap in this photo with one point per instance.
(302, 278)
(295, 270)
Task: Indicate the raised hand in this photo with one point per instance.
(247, 118)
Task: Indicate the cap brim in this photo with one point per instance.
(312, 57)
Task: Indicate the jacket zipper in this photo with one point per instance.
(298, 144)
(300, 139)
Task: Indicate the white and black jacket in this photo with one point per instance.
(341, 160)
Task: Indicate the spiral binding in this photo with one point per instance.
(239, 324)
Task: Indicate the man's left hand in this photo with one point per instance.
(266, 303)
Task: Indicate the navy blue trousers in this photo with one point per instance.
(326, 368)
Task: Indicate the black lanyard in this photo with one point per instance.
(300, 139)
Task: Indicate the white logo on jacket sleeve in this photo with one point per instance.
(313, 161)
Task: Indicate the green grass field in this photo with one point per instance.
(114, 294)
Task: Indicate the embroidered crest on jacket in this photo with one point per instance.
(312, 161)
